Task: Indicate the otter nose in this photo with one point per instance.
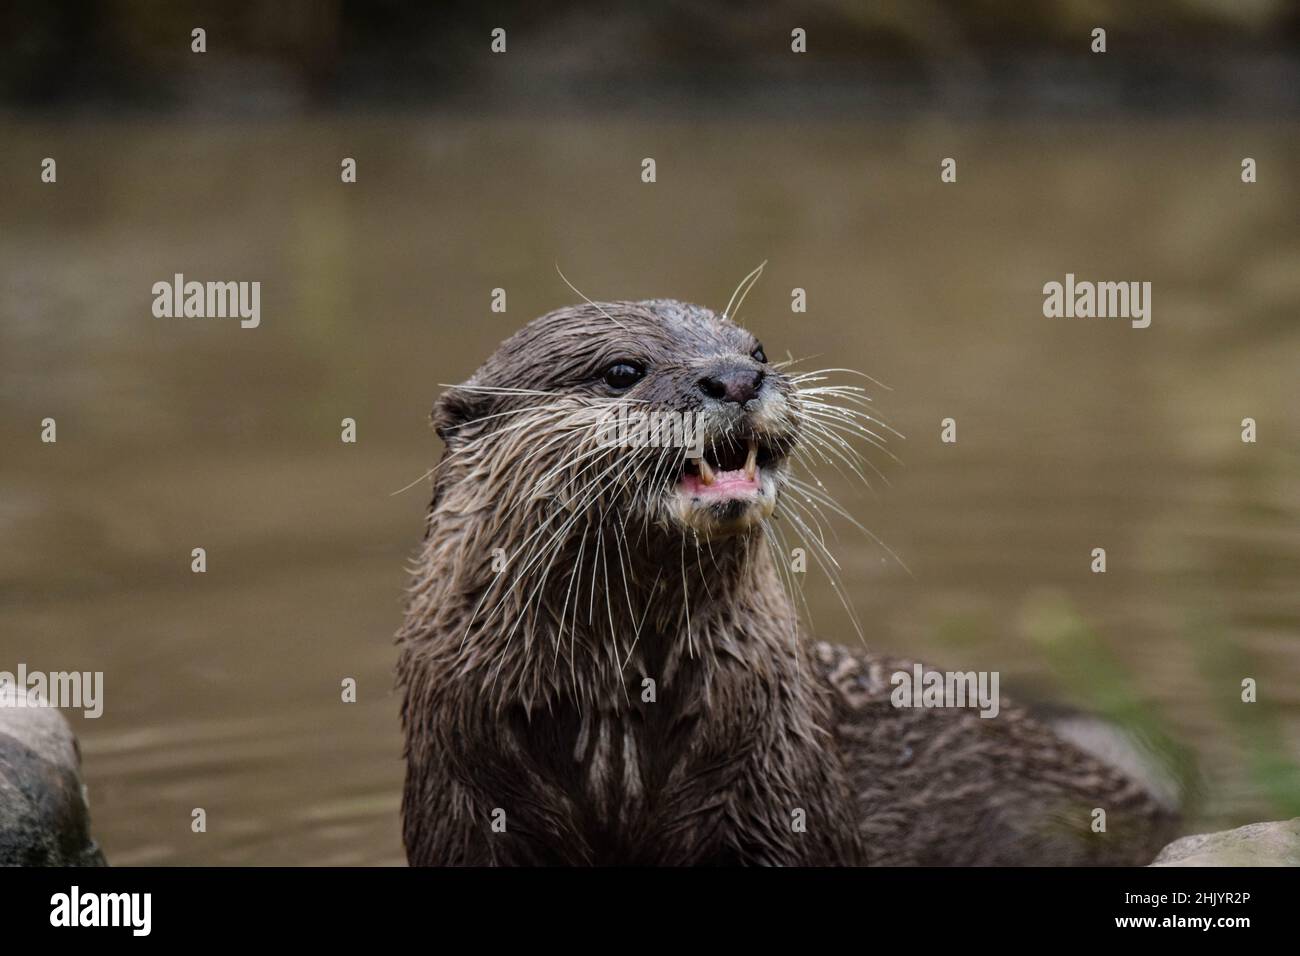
(732, 383)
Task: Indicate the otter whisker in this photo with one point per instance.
(844, 424)
(832, 574)
(814, 397)
(609, 608)
(829, 439)
(745, 284)
(849, 393)
(852, 393)
(539, 488)
(583, 296)
(502, 390)
(828, 453)
(666, 464)
(810, 521)
(833, 446)
(547, 550)
(791, 360)
(599, 556)
(551, 548)
(585, 491)
(835, 506)
(641, 623)
(550, 554)
(559, 639)
(846, 371)
(686, 605)
(807, 509)
(699, 563)
(779, 550)
(556, 537)
(619, 549)
(588, 459)
(469, 443)
(427, 474)
(712, 557)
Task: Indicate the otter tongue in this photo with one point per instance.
(709, 474)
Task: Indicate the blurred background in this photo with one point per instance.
(477, 171)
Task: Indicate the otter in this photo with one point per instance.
(601, 662)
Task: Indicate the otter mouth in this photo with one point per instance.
(730, 487)
(728, 468)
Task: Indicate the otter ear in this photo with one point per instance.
(455, 407)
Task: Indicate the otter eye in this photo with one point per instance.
(758, 355)
(622, 375)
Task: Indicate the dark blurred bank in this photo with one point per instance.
(967, 59)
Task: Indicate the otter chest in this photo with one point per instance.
(642, 783)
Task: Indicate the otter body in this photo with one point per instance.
(708, 771)
(601, 663)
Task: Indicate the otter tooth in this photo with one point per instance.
(751, 461)
(706, 472)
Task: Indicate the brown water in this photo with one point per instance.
(223, 689)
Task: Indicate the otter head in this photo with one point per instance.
(661, 415)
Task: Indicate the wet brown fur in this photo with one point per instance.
(523, 688)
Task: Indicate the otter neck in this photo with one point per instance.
(601, 613)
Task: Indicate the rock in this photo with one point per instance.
(1257, 844)
(44, 819)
